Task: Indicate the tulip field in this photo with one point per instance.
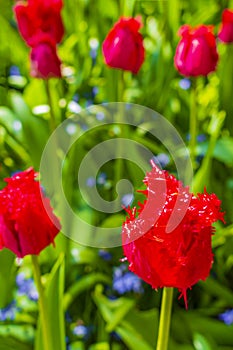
(116, 175)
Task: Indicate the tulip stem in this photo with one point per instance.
(52, 119)
(193, 123)
(44, 321)
(120, 117)
(165, 319)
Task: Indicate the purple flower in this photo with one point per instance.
(227, 317)
(127, 199)
(26, 287)
(185, 84)
(125, 281)
(101, 179)
(14, 70)
(8, 313)
(161, 159)
(105, 255)
(80, 330)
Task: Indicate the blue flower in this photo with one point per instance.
(227, 317)
(101, 179)
(100, 116)
(127, 199)
(185, 84)
(201, 138)
(105, 255)
(14, 70)
(90, 182)
(8, 313)
(26, 286)
(125, 281)
(82, 331)
(95, 91)
(161, 159)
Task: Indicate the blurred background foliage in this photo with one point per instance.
(105, 306)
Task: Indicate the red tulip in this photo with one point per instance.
(45, 63)
(123, 47)
(196, 53)
(25, 227)
(39, 16)
(226, 30)
(181, 257)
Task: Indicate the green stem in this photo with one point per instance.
(121, 7)
(165, 319)
(193, 123)
(120, 115)
(52, 119)
(42, 304)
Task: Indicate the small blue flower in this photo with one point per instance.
(89, 103)
(125, 281)
(105, 255)
(201, 138)
(185, 84)
(90, 182)
(93, 54)
(115, 336)
(80, 330)
(95, 91)
(127, 199)
(76, 98)
(68, 317)
(26, 286)
(162, 159)
(227, 317)
(8, 313)
(14, 70)
(101, 179)
(100, 116)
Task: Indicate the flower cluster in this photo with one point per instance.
(40, 25)
(125, 281)
(8, 312)
(25, 226)
(26, 286)
(170, 258)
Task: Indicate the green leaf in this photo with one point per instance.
(86, 282)
(201, 178)
(218, 331)
(150, 321)
(218, 290)
(223, 150)
(18, 337)
(7, 277)
(54, 293)
(35, 130)
(110, 311)
(120, 314)
(100, 346)
(132, 339)
(201, 343)
(12, 344)
(78, 345)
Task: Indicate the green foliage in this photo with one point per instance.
(79, 285)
